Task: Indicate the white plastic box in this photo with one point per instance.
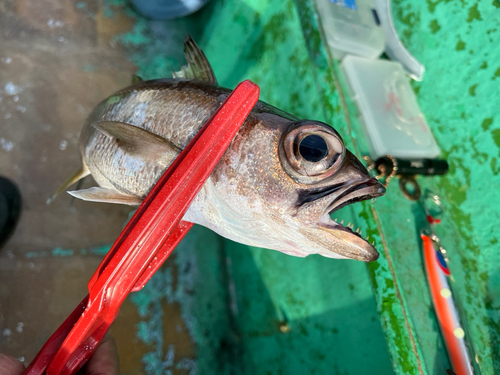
(350, 27)
(390, 116)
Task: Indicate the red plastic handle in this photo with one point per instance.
(163, 254)
(155, 220)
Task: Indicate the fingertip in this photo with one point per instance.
(105, 359)
(10, 365)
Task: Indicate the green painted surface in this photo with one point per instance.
(326, 307)
(459, 95)
(457, 42)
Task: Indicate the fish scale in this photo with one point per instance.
(166, 106)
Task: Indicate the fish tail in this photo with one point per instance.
(82, 172)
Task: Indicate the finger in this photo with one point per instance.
(105, 359)
(9, 365)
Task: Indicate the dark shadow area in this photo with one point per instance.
(272, 339)
(492, 303)
(10, 209)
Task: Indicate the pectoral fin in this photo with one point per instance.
(78, 175)
(198, 66)
(140, 142)
(99, 194)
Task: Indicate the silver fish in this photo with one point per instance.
(275, 187)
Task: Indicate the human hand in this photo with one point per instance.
(103, 362)
(9, 365)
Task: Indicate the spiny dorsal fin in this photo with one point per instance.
(78, 175)
(136, 79)
(198, 66)
(99, 194)
(139, 142)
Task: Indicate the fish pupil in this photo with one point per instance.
(313, 148)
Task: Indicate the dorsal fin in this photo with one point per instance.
(198, 66)
(136, 79)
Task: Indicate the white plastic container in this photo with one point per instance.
(350, 27)
(390, 116)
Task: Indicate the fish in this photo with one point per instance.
(275, 187)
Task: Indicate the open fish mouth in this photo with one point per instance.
(358, 247)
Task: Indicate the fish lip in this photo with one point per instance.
(358, 191)
(358, 248)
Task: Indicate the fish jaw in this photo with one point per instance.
(339, 240)
(359, 247)
(351, 184)
(350, 244)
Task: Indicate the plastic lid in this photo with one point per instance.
(391, 118)
(351, 26)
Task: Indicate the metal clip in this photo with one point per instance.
(384, 170)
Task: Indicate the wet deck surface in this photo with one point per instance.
(57, 61)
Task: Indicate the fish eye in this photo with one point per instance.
(311, 151)
(313, 148)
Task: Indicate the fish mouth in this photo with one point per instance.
(357, 247)
(356, 192)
